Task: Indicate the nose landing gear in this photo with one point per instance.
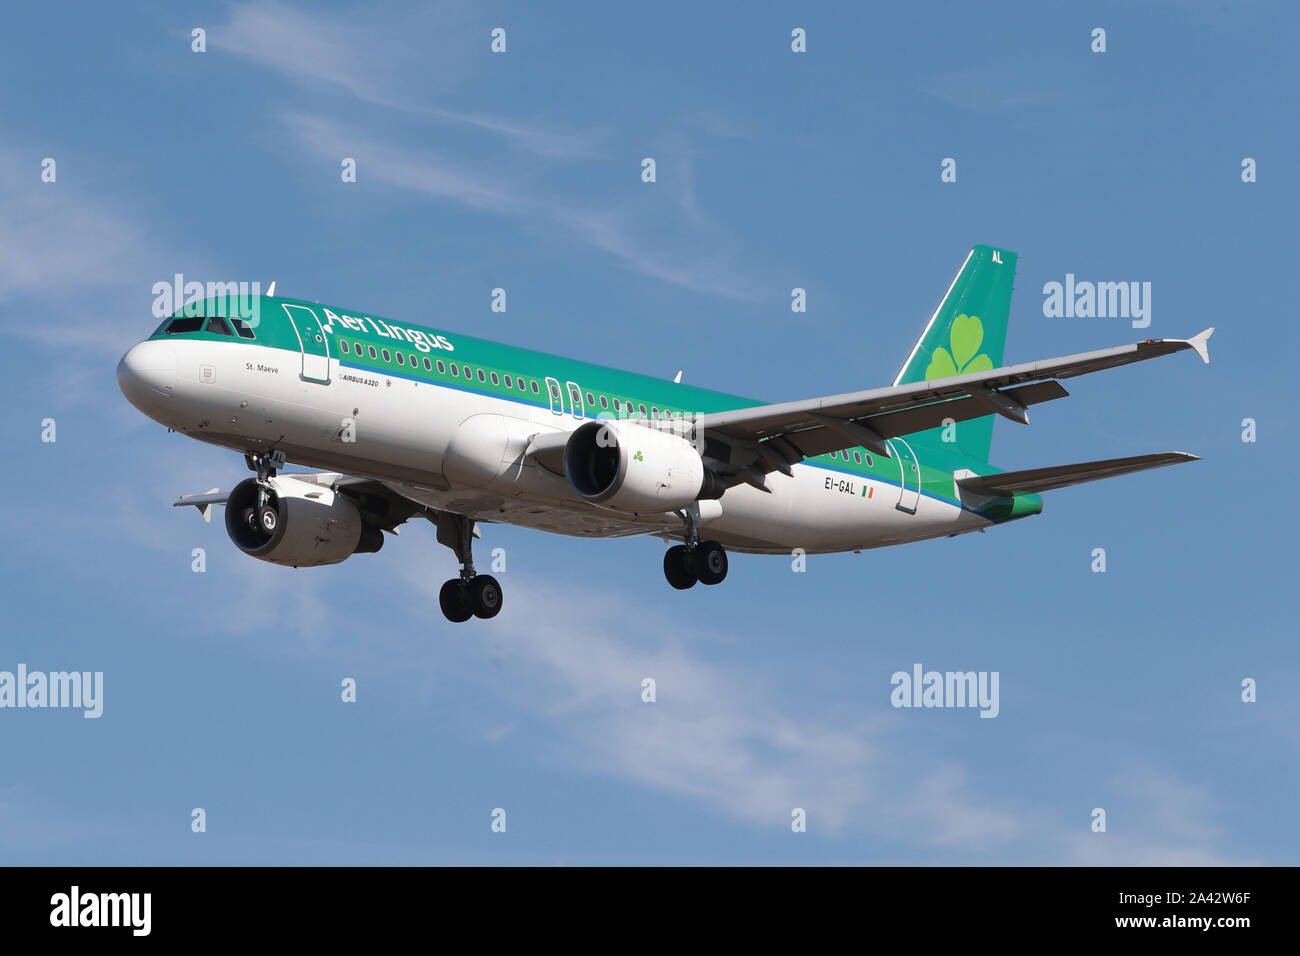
(470, 595)
(263, 517)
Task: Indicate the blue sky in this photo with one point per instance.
(775, 170)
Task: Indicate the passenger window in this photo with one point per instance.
(604, 402)
(455, 372)
(388, 357)
(415, 362)
(654, 411)
(243, 328)
(591, 399)
(442, 369)
(495, 380)
(428, 366)
(372, 352)
(401, 359)
(857, 458)
(343, 344)
(481, 376)
(217, 325)
(536, 390)
(642, 407)
(510, 382)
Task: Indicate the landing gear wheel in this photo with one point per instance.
(677, 568)
(484, 595)
(710, 562)
(267, 519)
(454, 601)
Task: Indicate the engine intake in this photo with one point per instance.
(632, 468)
(309, 524)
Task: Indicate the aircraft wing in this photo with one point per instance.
(1060, 476)
(379, 503)
(782, 434)
(203, 502)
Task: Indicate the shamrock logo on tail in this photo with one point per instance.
(964, 340)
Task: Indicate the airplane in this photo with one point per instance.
(405, 421)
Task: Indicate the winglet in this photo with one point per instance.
(1200, 343)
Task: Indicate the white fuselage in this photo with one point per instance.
(460, 451)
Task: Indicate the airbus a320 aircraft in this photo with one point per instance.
(413, 422)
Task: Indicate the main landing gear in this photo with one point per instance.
(696, 560)
(470, 595)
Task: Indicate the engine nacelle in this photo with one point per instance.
(312, 524)
(632, 468)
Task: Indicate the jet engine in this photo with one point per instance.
(297, 523)
(632, 468)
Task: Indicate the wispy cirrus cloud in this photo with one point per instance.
(1156, 821)
(696, 258)
(79, 257)
(716, 734)
(428, 174)
(368, 56)
(368, 59)
(721, 735)
(986, 93)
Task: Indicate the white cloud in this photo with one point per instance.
(370, 60)
(369, 55)
(696, 258)
(715, 734)
(85, 263)
(1153, 820)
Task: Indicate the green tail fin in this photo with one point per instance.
(967, 333)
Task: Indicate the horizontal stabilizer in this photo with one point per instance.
(1060, 476)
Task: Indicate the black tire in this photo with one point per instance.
(454, 601)
(677, 568)
(710, 562)
(484, 596)
(268, 519)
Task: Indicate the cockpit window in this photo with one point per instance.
(217, 325)
(186, 323)
(243, 328)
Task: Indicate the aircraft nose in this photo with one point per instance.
(147, 373)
